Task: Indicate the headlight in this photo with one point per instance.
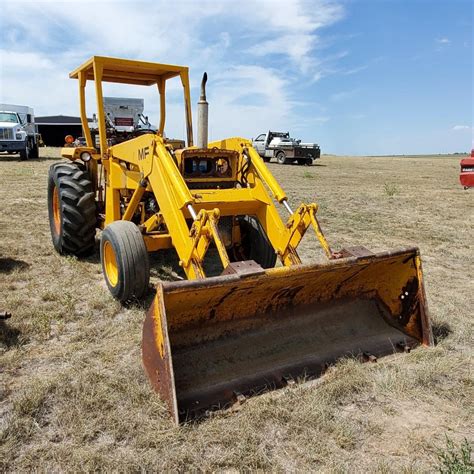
(85, 156)
(19, 136)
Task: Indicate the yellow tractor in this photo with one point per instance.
(209, 341)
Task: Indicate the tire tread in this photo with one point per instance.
(78, 208)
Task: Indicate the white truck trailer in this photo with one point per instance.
(18, 131)
(124, 119)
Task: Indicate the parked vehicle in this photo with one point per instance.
(466, 177)
(285, 149)
(18, 131)
(124, 120)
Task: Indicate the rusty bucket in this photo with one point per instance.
(208, 342)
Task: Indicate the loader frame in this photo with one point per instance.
(126, 171)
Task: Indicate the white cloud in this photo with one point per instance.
(248, 97)
(296, 46)
(49, 39)
(443, 40)
(461, 127)
(294, 25)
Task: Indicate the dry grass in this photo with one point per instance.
(74, 396)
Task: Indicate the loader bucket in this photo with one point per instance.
(209, 342)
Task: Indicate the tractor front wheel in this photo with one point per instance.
(125, 261)
(71, 209)
(254, 244)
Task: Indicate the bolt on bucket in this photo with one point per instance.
(208, 342)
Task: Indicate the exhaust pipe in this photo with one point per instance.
(203, 117)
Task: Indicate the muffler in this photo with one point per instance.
(203, 115)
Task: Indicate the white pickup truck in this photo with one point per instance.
(285, 149)
(18, 131)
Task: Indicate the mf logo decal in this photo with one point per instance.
(143, 153)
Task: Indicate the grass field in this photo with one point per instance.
(74, 395)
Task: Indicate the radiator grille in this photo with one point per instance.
(6, 134)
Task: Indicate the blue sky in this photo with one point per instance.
(358, 77)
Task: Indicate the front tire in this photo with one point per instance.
(281, 158)
(254, 243)
(71, 209)
(25, 153)
(125, 261)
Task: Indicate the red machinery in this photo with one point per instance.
(466, 176)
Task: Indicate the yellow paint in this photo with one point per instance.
(110, 264)
(158, 325)
(74, 153)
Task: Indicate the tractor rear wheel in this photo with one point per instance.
(71, 209)
(254, 244)
(281, 158)
(125, 261)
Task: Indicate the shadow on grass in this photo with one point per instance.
(441, 331)
(93, 256)
(9, 336)
(7, 265)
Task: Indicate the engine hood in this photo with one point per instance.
(9, 125)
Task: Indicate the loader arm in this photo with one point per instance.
(159, 172)
(285, 238)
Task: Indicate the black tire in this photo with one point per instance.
(25, 153)
(281, 158)
(34, 151)
(71, 209)
(266, 159)
(255, 244)
(302, 161)
(125, 261)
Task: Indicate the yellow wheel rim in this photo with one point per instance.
(110, 264)
(56, 211)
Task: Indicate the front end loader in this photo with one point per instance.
(211, 341)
